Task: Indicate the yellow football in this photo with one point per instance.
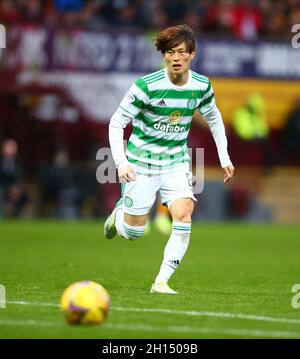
(85, 302)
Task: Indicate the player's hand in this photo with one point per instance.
(126, 173)
(229, 171)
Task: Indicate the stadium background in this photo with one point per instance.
(68, 63)
(64, 70)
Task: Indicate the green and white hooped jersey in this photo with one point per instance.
(161, 115)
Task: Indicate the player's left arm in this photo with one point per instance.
(211, 114)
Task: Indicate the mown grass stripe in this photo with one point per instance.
(238, 332)
(226, 315)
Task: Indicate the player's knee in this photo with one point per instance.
(185, 217)
(181, 210)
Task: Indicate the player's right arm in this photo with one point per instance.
(132, 103)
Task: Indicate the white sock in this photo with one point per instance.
(120, 222)
(125, 230)
(174, 250)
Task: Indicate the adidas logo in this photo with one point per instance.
(161, 103)
(174, 262)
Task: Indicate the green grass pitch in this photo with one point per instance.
(235, 281)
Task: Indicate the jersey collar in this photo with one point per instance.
(178, 87)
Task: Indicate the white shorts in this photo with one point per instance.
(139, 195)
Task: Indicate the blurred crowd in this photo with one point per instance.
(39, 179)
(65, 188)
(247, 19)
(58, 188)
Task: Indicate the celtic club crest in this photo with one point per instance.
(192, 103)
